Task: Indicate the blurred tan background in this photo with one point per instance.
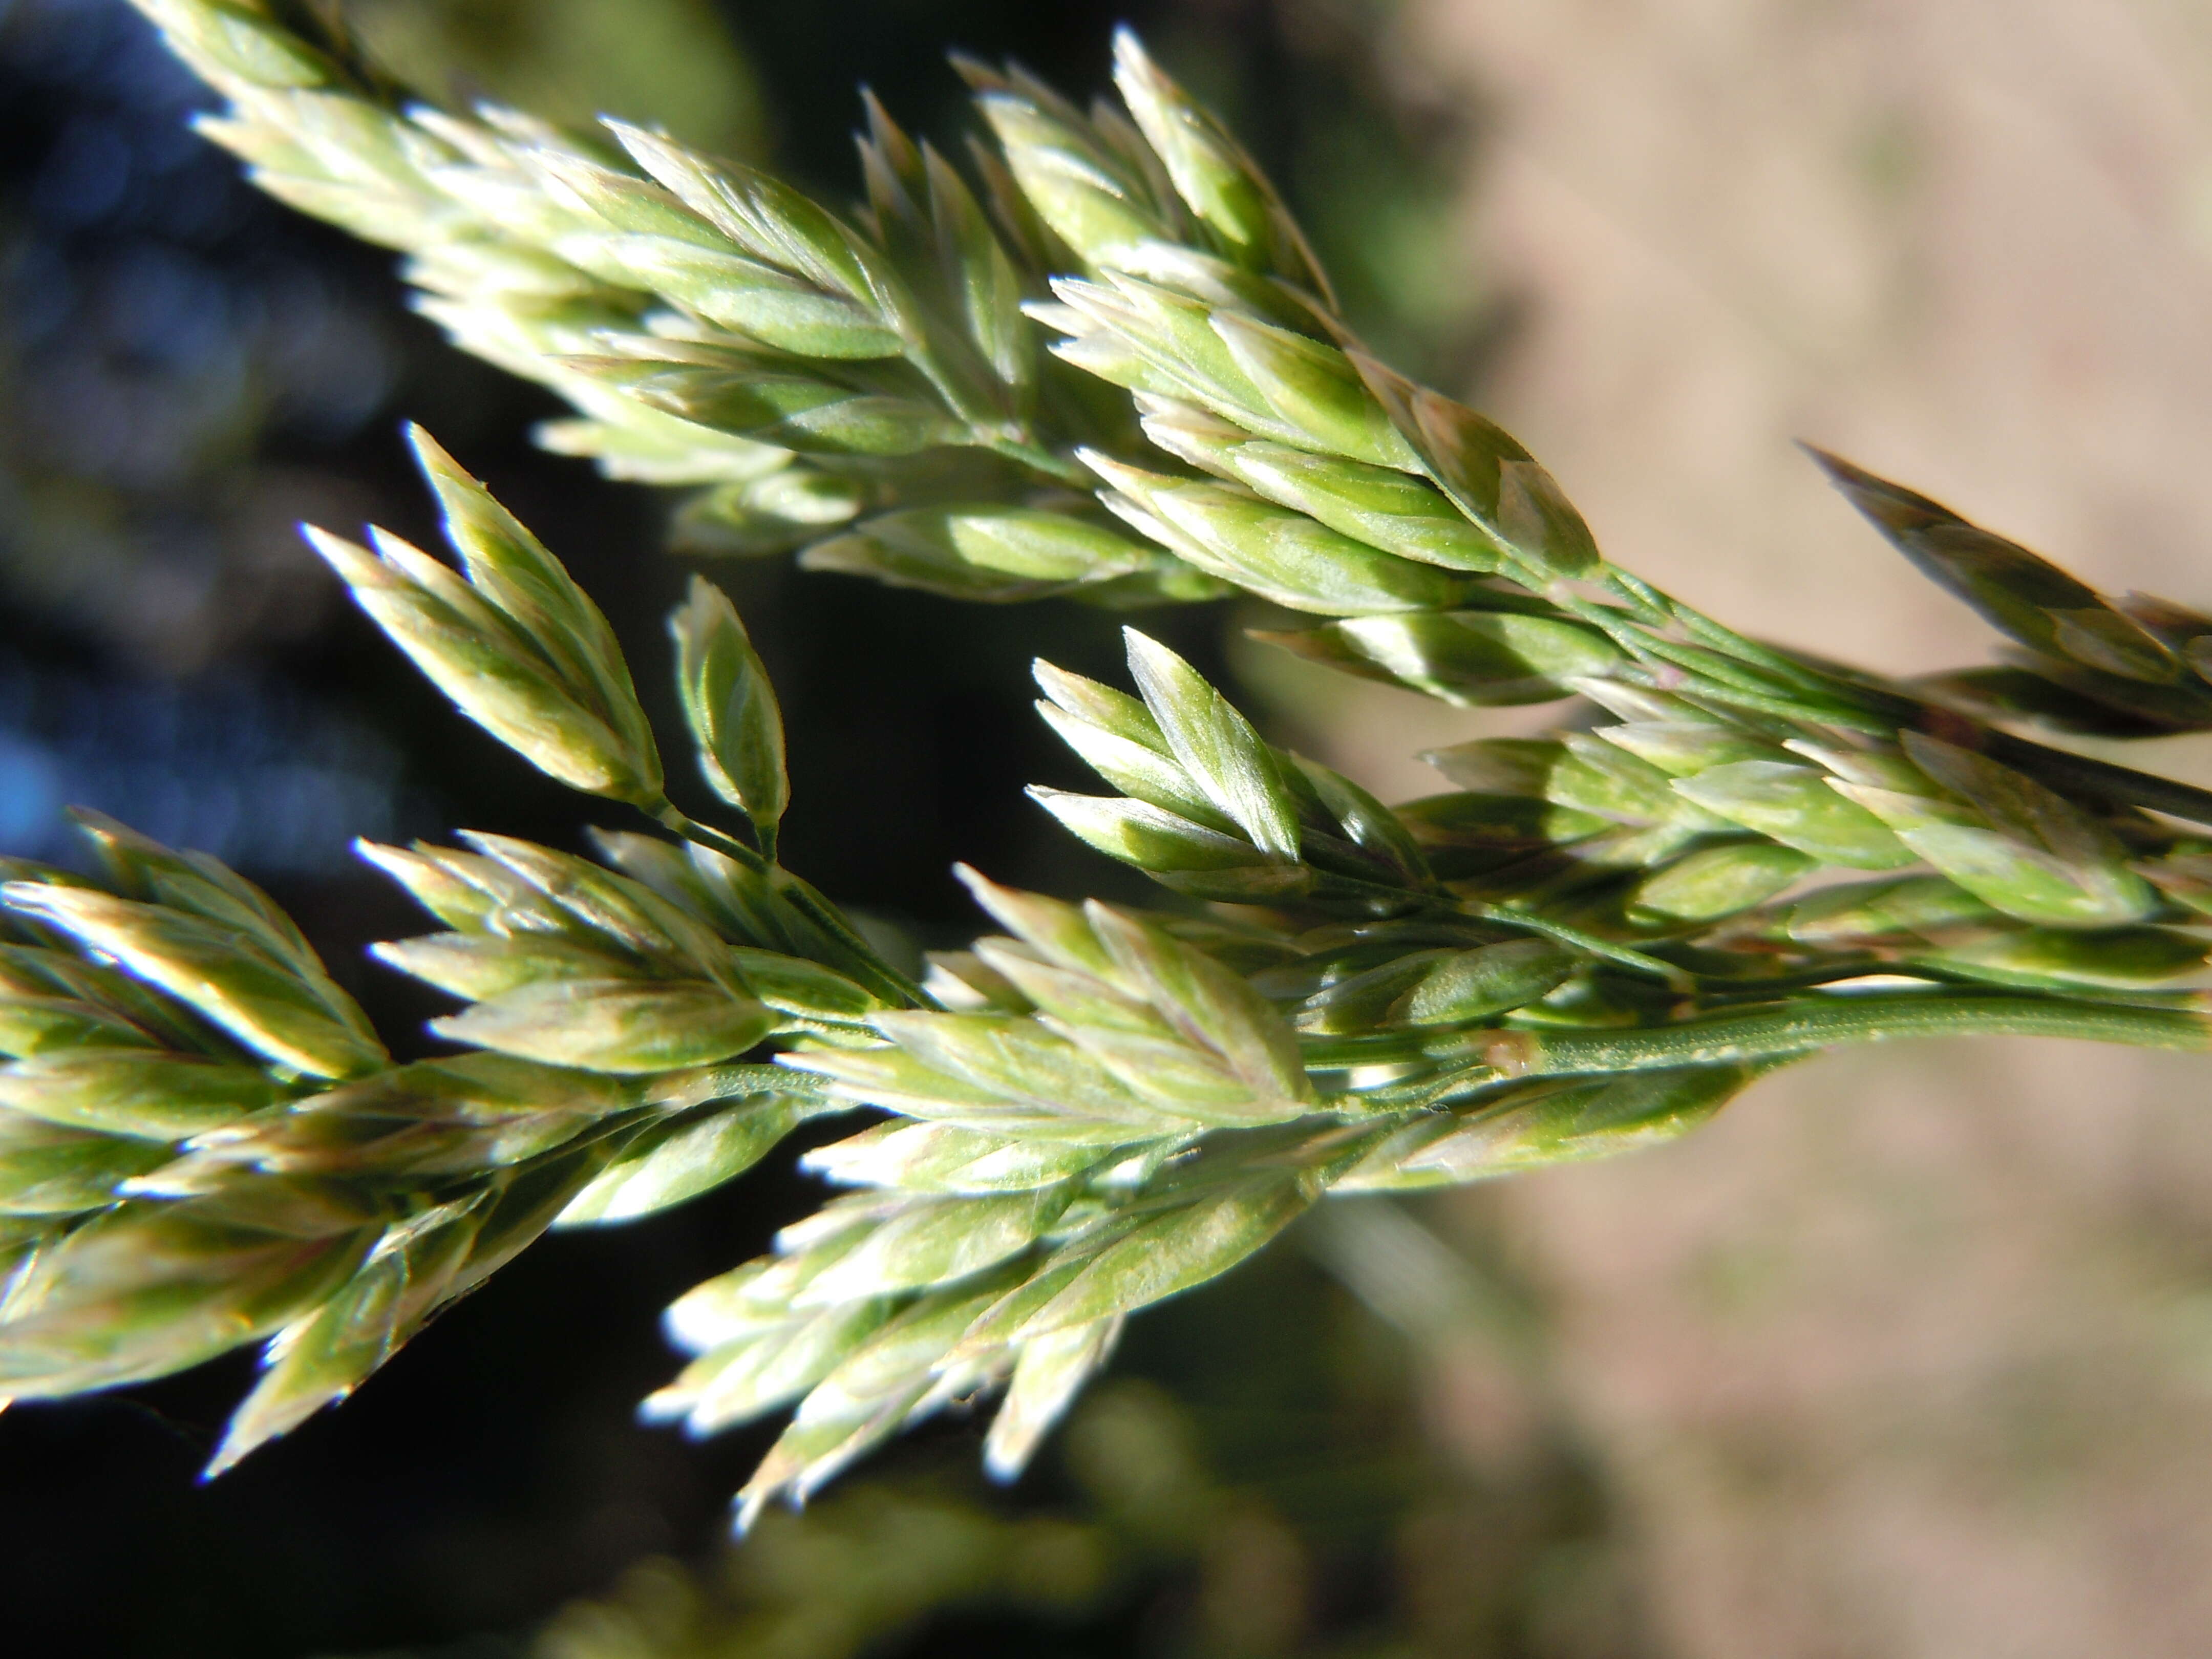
(1912, 1353)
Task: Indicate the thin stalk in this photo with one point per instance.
(1803, 1027)
(2062, 770)
(2068, 773)
(1727, 1037)
(1040, 459)
(803, 899)
(988, 427)
(1564, 934)
(1716, 990)
(667, 812)
(1718, 636)
(1736, 680)
(1637, 593)
(1744, 687)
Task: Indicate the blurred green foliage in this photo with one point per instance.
(672, 62)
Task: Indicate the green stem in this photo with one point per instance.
(2068, 772)
(987, 427)
(2065, 771)
(1719, 990)
(819, 910)
(1800, 1027)
(1507, 915)
(1638, 594)
(1040, 459)
(1803, 1026)
(1736, 679)
(802, 897)
(714, 840)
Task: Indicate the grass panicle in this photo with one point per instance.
(1095, 358)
